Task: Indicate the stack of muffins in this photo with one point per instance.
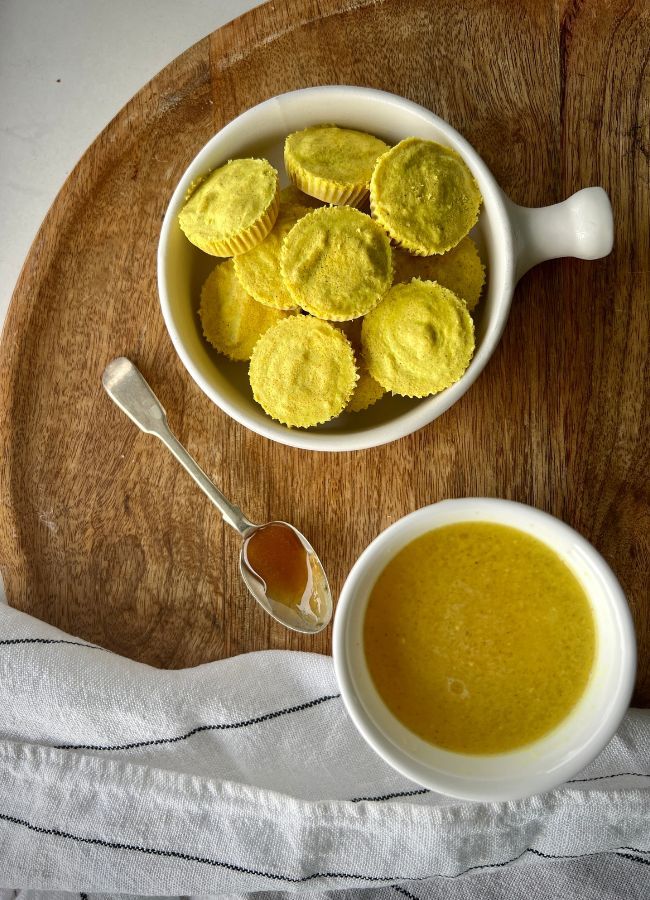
(335, 307)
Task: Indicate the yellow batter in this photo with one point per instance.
(479, 638)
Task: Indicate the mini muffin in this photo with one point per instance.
(460, 270)
(424, 195)
(259, 268)
(419, 340)
(232, 321)
(367, 391)
(331, 163)
(291, 196)
(302, 372)
(336, 263)
(232, 209)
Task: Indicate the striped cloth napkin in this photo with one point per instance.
(246, 776)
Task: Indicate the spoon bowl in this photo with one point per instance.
(315, 611)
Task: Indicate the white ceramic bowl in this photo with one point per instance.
(511, 240)
(541, 765)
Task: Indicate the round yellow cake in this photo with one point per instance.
(419, 340)
(291, 196)
(460, 270)
(367, 391)
(424, 195)
(302, 372)
(258, 269)
(336, 263)
(332, 163)
(232, 321)
(233, 208)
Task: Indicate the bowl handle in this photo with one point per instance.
(581, 226)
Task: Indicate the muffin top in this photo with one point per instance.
(332, 163)
(336, 263)
(460, 270)
(232, 321)
(229, 209)
(424, 195)
(419, 340)
(302, 371)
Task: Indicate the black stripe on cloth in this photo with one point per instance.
(426, 791)
(542, 856)
(390, 796)
(616, 775)
(297, 879)
(401, 890)
(9, 641)
(639, 859)
(224, 726)
(188, 857)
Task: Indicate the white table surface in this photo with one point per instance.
(66, 68)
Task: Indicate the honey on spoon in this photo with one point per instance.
(277, 563)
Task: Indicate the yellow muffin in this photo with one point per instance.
(424, 195)
(291, 196)
(233, 208)
(367, 390)
(259, 268)
(460, 270)
(232, 321)
(331, 163)
(336, 263)
(302, 372)
(419, 340)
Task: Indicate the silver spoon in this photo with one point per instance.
(126, 386)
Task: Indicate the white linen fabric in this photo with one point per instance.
(246, 775)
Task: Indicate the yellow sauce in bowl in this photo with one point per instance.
(479, 638)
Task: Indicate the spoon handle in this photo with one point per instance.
(126, 386)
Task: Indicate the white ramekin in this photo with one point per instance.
(541, 765)
(511, 239)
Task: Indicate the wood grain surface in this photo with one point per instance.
(103, 535)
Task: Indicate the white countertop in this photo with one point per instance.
(66, 68)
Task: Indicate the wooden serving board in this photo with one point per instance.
(103, 534)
